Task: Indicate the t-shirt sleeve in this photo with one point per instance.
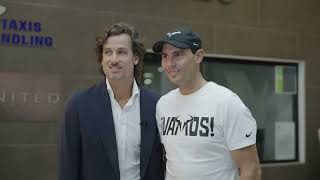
(240, 127)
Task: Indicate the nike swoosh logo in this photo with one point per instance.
(248, 135)
(2, 10)
(195, 44)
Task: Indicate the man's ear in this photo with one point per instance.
(135, 60)
(199, 55)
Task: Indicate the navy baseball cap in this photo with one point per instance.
(181, 38)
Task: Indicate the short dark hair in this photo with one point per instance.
(137, 45)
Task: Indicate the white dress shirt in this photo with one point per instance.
(128, 135)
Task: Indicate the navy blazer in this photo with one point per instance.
(88, 148)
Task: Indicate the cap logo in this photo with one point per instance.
(195, 44)
(173, 33)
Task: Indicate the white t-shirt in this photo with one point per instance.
(199, 130)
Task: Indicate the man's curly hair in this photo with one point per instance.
(137, 45)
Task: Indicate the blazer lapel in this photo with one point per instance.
(147, 131)
(106, 127)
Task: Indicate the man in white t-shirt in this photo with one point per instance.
(207, 131)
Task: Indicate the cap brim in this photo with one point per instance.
(157, 47)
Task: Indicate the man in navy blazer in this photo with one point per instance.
(109, 131)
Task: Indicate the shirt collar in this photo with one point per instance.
(135, 89)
